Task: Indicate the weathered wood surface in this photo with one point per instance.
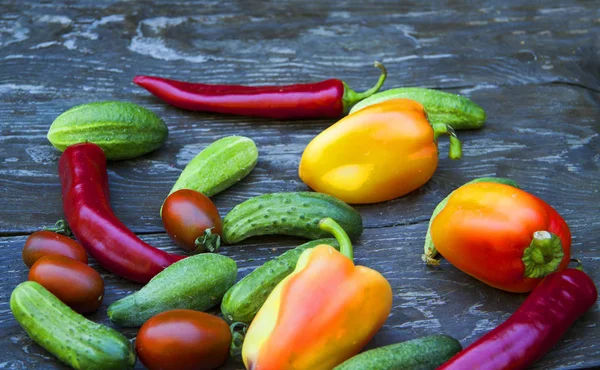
(534, 68)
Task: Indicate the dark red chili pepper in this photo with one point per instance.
(325, 99)
(82, 171)
(534, 328)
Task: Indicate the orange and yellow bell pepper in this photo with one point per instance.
(379, 153)
(320, 315)
(501, 235)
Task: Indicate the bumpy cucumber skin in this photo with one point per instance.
(293, 213)
(73, 339)
(441, 107)
(123, 130)
(220, 165)
(425, 353)
(197, 283)
(243, 300)
(429, 249)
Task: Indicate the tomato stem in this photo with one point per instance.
(60, 227)
(329, 225)
(237, 338)
(207, 242)
(543, 256)
(351, 97)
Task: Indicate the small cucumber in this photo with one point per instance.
(196, 283)
(294, 213)
(457, 111)
(425, 353)
(123, 130)
(218, 166)
(429, 251)
(243, 300)
(73, 339)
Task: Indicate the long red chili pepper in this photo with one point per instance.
(326, 99)
(534, 328)
(82, 171)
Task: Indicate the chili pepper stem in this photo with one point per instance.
(207, 242)
(455, 150)
(543, 256)
(329, 225)
(351, 97)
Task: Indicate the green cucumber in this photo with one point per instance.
(425, 353)
(123, 130)
(457, 111)
(73, 339)
(430, 253)
(196, 283)
(294, 213)
(243, 300)
(218, 166)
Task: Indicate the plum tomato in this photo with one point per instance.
(43, 243)
(192, 220)
(183, 339)
(76, 284)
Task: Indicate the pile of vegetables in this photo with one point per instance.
(310, 307)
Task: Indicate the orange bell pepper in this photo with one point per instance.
(379, 153)
(501, 235)
(320, 315)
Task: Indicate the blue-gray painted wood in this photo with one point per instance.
(534, 68)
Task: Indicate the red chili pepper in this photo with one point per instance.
(326, 99)
(534, 328)
(82, 171)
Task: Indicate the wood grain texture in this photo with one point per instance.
(534, 68)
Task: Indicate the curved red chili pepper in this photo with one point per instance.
(534, 328)
(326, 99)
(82, 171)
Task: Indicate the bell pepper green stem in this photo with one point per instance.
(329, 225)
(352, 97)
(543, 256)
(455, 150)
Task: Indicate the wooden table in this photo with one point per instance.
(535, 69)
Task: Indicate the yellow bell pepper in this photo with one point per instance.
(376, 154)
(321, 314)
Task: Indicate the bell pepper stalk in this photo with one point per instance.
(320, 315)
(455, 148)
(382, 152)
(501, 235)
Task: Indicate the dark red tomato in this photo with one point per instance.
(76, 284)
(183, 339)
(187, 215)
(44, 243)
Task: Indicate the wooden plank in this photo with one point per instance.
(533, 67)
(423, 296)
(94, 49)
(561, 167)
